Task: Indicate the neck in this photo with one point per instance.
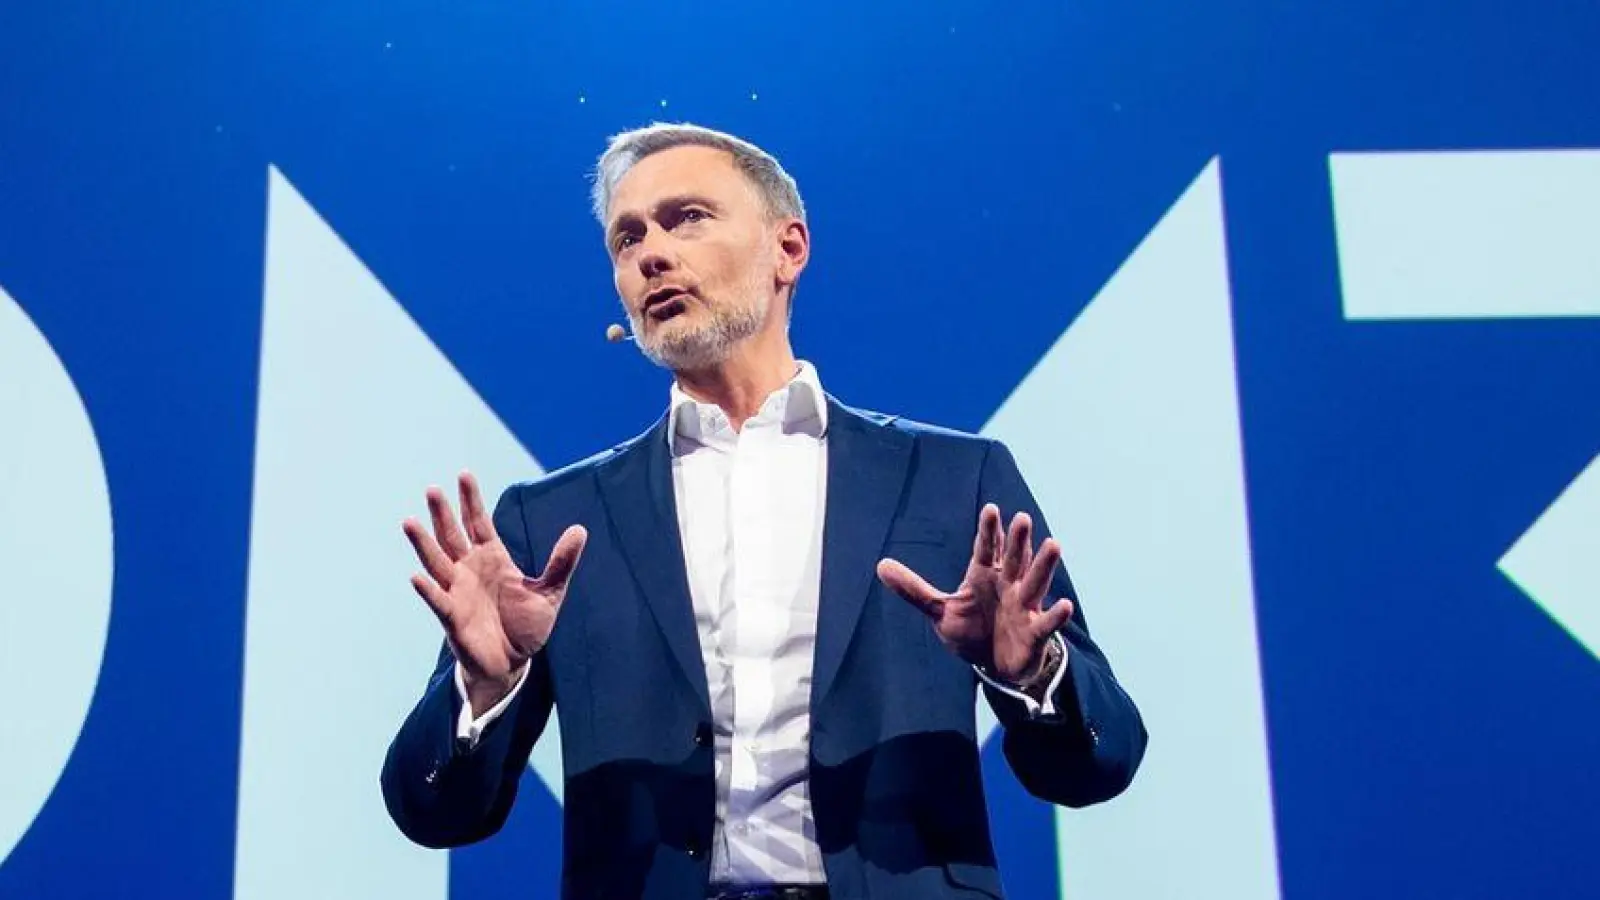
(739, 384)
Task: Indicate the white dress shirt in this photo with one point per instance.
(750, 510)
(751, 505)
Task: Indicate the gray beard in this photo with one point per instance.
(709, 345)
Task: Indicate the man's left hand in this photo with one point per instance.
(996, 619)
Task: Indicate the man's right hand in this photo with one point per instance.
(495, 617)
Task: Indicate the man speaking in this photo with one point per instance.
(747, 709)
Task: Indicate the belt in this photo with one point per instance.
(773, 892)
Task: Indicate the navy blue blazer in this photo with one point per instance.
(896, 790)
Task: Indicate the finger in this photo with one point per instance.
(1019, 543)
(480, 528)
(913, 587)
(986, 545)
(1056, 617)
(1036, 581)
(429, 552)
(444, 525)
(433, 595)
(564, 558)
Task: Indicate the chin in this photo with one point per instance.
(686, 348)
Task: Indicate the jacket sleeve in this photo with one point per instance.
(440, 792)
(1089, 751)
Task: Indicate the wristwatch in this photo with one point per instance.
(1048, 664)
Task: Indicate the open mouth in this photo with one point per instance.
(665, 303)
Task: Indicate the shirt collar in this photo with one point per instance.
(799, 405)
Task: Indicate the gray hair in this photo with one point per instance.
(778, 191)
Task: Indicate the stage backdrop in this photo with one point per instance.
(1289, 311)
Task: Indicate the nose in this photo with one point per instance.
(653, 262)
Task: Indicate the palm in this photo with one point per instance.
(995, 618)
(504, 617)
(495, 617)
(964, 619)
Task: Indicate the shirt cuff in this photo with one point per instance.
(469, 729)
(1036, 710)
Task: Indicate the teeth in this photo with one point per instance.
(655, 300)
(665, 305)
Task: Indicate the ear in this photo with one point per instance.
(794, 249)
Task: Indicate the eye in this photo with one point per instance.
(625, 240)
(693, 214)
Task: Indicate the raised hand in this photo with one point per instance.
(495, 617)
(996, 618)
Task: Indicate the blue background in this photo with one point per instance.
(974, 175)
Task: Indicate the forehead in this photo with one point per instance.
(703, 171)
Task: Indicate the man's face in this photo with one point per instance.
(694, 253)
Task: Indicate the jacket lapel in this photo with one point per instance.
(637, 491)
(867, 466)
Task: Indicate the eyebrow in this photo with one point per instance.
(665, 203)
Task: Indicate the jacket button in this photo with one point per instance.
(693, 848)
(702, 734)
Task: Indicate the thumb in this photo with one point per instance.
(564, 558)
(913, 587)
